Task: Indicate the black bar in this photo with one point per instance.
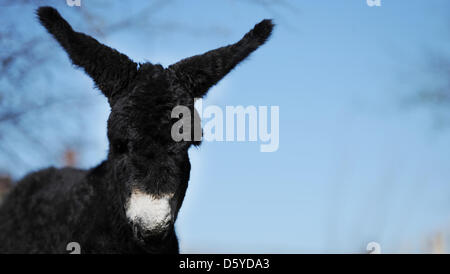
(224, 263)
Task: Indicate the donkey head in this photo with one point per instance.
(150, 168)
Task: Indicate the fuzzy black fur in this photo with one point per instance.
(50, 208)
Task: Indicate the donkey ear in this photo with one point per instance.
(110, 70)
(205, 70)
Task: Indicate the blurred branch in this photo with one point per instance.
(31, 104)
(136, 18)
(276, 7)
(436, 95)
(439, 67)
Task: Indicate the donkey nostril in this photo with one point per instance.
(139, 233)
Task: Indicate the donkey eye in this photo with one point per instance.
(120, 146)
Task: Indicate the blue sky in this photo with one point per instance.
(354, 164)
